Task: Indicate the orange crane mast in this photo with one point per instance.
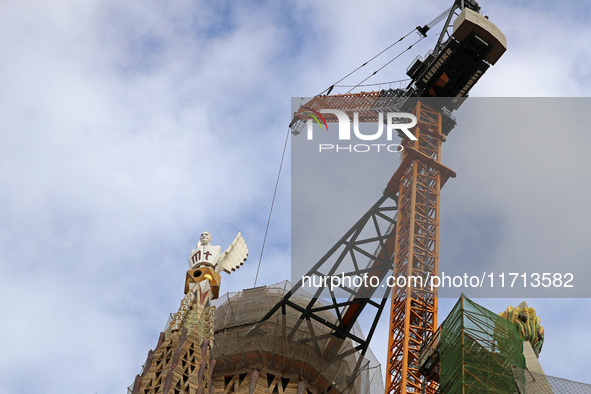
(413, 312)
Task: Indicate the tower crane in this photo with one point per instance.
(399, 234)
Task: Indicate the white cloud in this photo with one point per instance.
(128, 128)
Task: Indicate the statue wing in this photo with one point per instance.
(234, 256)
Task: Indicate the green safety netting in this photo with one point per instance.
(478, 351)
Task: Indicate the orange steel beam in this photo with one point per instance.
(417, 182)
(413, 314)
(368, 105)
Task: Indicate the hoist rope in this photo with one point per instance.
(379, 69)
(271, 209)
(364, 64)
(372, 84)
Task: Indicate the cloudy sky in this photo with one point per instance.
(128, 128)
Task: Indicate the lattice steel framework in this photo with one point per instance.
(416, 184)
(367, 105)
(367, 248)
(413, 315)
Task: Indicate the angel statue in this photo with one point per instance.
(206, 254)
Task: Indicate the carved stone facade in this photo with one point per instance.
(180, 362)
(257, 359)
(257, 382)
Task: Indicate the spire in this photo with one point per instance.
(180, 362)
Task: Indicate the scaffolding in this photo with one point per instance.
(242, 347)
(478, 351)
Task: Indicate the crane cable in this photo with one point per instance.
(329, 89)
(271, 209)
(379, 69)
(421, 30)
(373, 84)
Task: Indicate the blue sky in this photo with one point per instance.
(126, 129)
